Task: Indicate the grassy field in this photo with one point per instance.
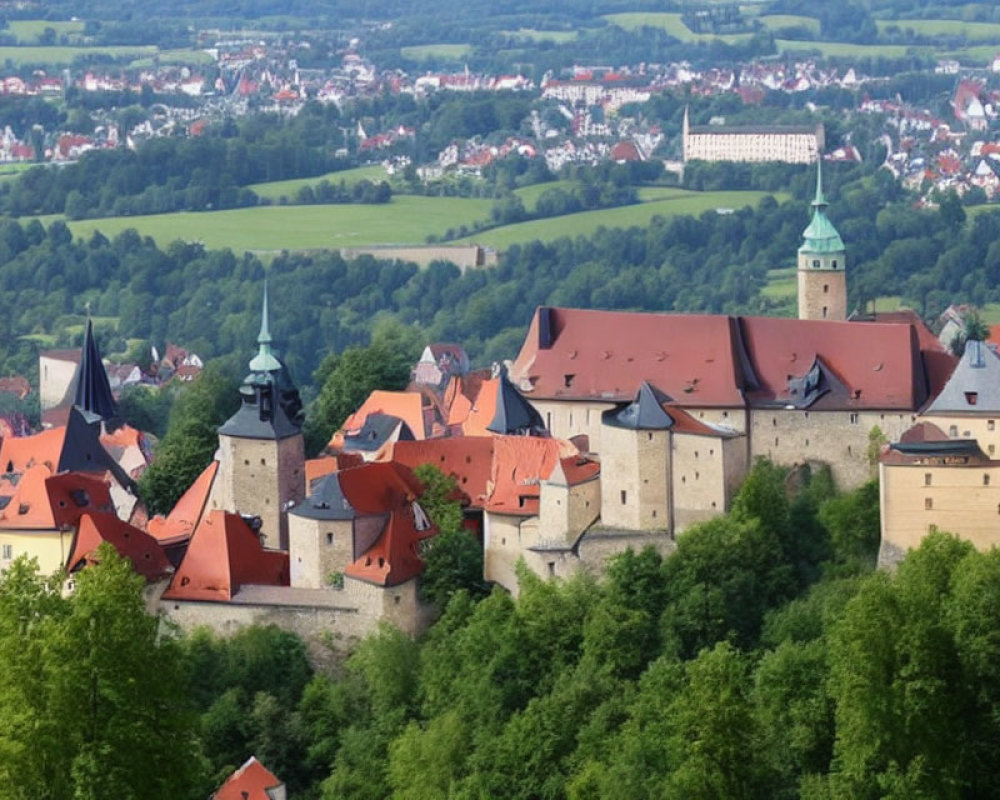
(973, 31)
(671, 23)
(845, 49)
(529, 194)
(405, 220)
(424, 52)
(782, 284)
(28, 31)
(778, 21)
(182, 57)
(679, 201)
(536, 35)
(275, 190)
(63, 56)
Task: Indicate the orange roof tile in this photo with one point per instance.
(42, 501)
(387, 488)
(184, 517)
(407, 406)
(483, 409)
(224, 554)
(140, 548)
(250, 782)
(318, 467)
(17, 454)
(467, 459)
(519, 464)
(124, 436)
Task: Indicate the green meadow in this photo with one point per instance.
(425, 52)
(405, 220)
(275, 190)
(29, 31)
(846, 49)
(678, 201)
(64, 56)
(776, 22)
(671, 23)
(535, 35)
(972, 31)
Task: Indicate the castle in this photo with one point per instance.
(609, 430)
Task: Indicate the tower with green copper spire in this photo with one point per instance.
(821, 264)
(261, 449)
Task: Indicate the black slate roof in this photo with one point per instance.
(93, 390)
(514, 414)
(645, 412)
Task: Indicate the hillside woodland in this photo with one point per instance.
(766, 633)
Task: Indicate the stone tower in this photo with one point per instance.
(261, 449)
(822, 259)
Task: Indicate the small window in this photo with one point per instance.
(991, 424)
(986, 479)
(815, 263)
(775, 441)
(992, 449)
(928, 503)
(927, 479)
(624, 496)
(263, 462)
(329, 538)
(972, 398)
(396, 599)
(854, 419)
(552, 568)
(826, 289)
(953, 431)
(8, 552)
(834, 264)
(824, 312)
(568, 380)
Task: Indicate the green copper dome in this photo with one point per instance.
(820, 236)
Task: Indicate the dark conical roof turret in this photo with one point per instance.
(514, 414)
(93, 390)
(270, 405)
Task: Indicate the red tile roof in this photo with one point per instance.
(140, 548)
(712, 360)
(250, 782)
(519, 464)
(482, 409)
(224, 554)
(467, 459)
(578, 354)
(42, 501)
(880, 365)
(184, 517)
(17, 454)
(392, 489)
(406, 406)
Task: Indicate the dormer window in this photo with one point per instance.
(971, 398)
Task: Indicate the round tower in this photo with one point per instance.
(822, 262)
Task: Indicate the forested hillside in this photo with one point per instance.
(765, 658)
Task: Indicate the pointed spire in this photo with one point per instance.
(820, 201)
(93, 390)
(265, 360)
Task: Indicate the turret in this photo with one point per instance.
(821, 263)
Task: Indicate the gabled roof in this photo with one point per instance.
(93, 391)
(974, 386)
(252, 781)
(184, 517)
(224, 554)
(378, 429)
(141, 549)
(19, 453)
(482, 409)
(580, 354)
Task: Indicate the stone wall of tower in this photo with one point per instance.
(261, 477)
(822, 288)
(318, 549)
(635, 479)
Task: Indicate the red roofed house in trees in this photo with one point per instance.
(252, 781)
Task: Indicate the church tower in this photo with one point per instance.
(261, 449)
(822, 258)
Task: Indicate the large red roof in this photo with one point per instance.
(43, 501)
(249, 782)
(224, 554)
(717, 361)
(578, 354)
(519, 464)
